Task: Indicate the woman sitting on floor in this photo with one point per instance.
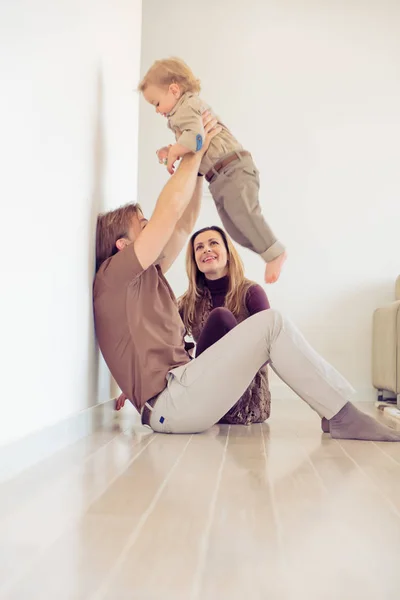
(218, 298)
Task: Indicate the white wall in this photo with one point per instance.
(68, 141)
(312, 89)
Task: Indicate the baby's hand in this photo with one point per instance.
(162, 154)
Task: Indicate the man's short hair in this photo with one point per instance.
(111, 226)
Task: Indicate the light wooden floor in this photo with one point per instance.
(274, 511)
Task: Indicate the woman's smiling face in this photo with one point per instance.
(211, 254)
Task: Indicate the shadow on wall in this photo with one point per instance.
(95, 372)
(346, 320)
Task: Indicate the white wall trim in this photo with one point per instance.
(35, 447)
(21, 454)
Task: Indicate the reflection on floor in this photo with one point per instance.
(272, 511)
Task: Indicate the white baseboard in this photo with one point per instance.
(22, 454)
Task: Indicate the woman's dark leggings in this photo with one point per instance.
(219, 322)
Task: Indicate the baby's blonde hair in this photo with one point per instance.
(171, 70)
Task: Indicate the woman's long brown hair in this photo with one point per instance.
(238, 284)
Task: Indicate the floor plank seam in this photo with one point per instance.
(7, 586)
(372, 483)
(392, 458)
(100, 593)
(284, 565)
(196, 586)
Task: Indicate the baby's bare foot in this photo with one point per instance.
(273, 268)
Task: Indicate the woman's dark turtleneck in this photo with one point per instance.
(256, 299)
(218, 290)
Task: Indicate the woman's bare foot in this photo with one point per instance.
(273, 268)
